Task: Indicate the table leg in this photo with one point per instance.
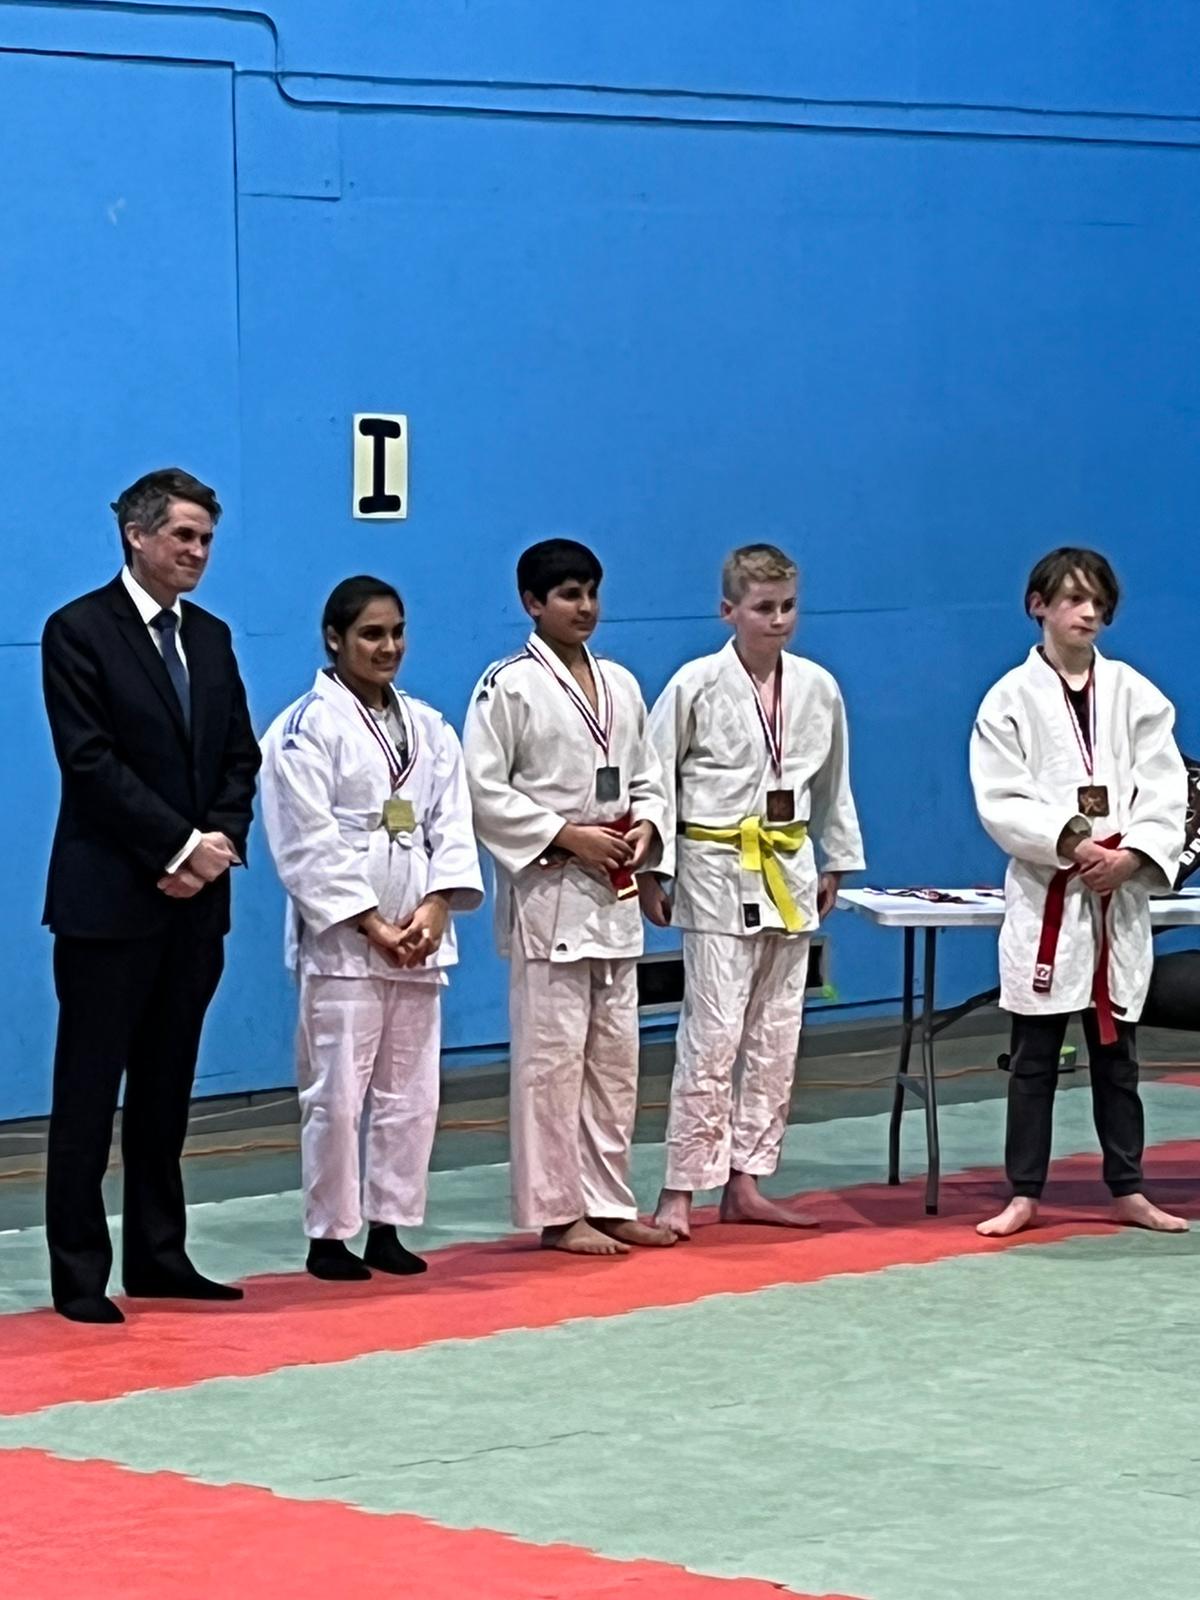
(906, 1037)
(928, 1032)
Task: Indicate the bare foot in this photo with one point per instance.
(631, 1231)
(1020, 1212)
(1137, 1212)
(741, 1202)
(675, 1212)
(581, 1239)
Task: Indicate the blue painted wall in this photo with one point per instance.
(908, 288)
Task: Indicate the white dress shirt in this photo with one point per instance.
(148, 608)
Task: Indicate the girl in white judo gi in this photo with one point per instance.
(1076, 775)
(368, 818)
(569, 800)
(753, 743)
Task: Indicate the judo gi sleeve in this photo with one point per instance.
(833, 818)
(1158, 814)
(449, 830)
(648, 791)
(509, 824)
(1006, 798)
(325, 874)
(668, 729)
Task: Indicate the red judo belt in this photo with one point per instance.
(1052, 916)
(622, 880)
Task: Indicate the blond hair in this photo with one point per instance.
(754, 563)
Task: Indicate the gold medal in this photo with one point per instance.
(398, 817)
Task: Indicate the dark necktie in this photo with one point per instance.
(167, 624)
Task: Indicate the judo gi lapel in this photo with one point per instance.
(739, 685)
(598, 721)
(365, 730)
(1087, 750)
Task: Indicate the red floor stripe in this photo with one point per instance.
(90, 1529)
(475, 1290)
(1190, 1080)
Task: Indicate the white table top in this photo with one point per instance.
(984, 908)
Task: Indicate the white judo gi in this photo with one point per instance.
(746, 900)
(532, 764)
(1028, 768)
(366, 1027)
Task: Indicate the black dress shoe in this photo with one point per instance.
(180, 1286)
(385, 1252)
(90, 1308)
(331, 1260)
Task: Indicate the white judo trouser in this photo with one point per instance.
(361, 1037)
(573, 1094)
(735, 1055)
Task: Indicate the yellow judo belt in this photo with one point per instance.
(759, 846)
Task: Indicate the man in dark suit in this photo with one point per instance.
(158, 760)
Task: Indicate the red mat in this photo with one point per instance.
(89, 1530)
(475, 1290)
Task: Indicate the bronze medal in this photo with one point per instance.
(1093, 800)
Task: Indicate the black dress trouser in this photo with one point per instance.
(132, 1007)
(1116, 1106)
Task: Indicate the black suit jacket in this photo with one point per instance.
(134, 784)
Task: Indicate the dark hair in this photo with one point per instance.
(544, 566)
(147, 502)
(1052, 571)
(348, 601)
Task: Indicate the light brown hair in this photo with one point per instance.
(754, 563)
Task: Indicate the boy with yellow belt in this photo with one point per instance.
(753, 743)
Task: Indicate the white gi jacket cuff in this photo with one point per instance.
(1156, 871)
(318, 920)
(1078, 827)
(459, 896)
(181, 856)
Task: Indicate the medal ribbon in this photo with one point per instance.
(396, 772)
(600, 727)
(772, 726)
(1086, 750)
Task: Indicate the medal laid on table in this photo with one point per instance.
(781, 802)
(599, 722)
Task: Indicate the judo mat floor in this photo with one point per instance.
(884, 1408)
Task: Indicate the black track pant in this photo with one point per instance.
(1036, 1045)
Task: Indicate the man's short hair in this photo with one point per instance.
(1052, 571)
(349, 600)
(544, 566)
(754, 563)
(147, 502)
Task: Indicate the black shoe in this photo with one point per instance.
(331, 1260)
(385, 1253)
(180, 1286)
(90, 1308)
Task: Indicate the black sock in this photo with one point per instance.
(333, 1260)
(385, 1252)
